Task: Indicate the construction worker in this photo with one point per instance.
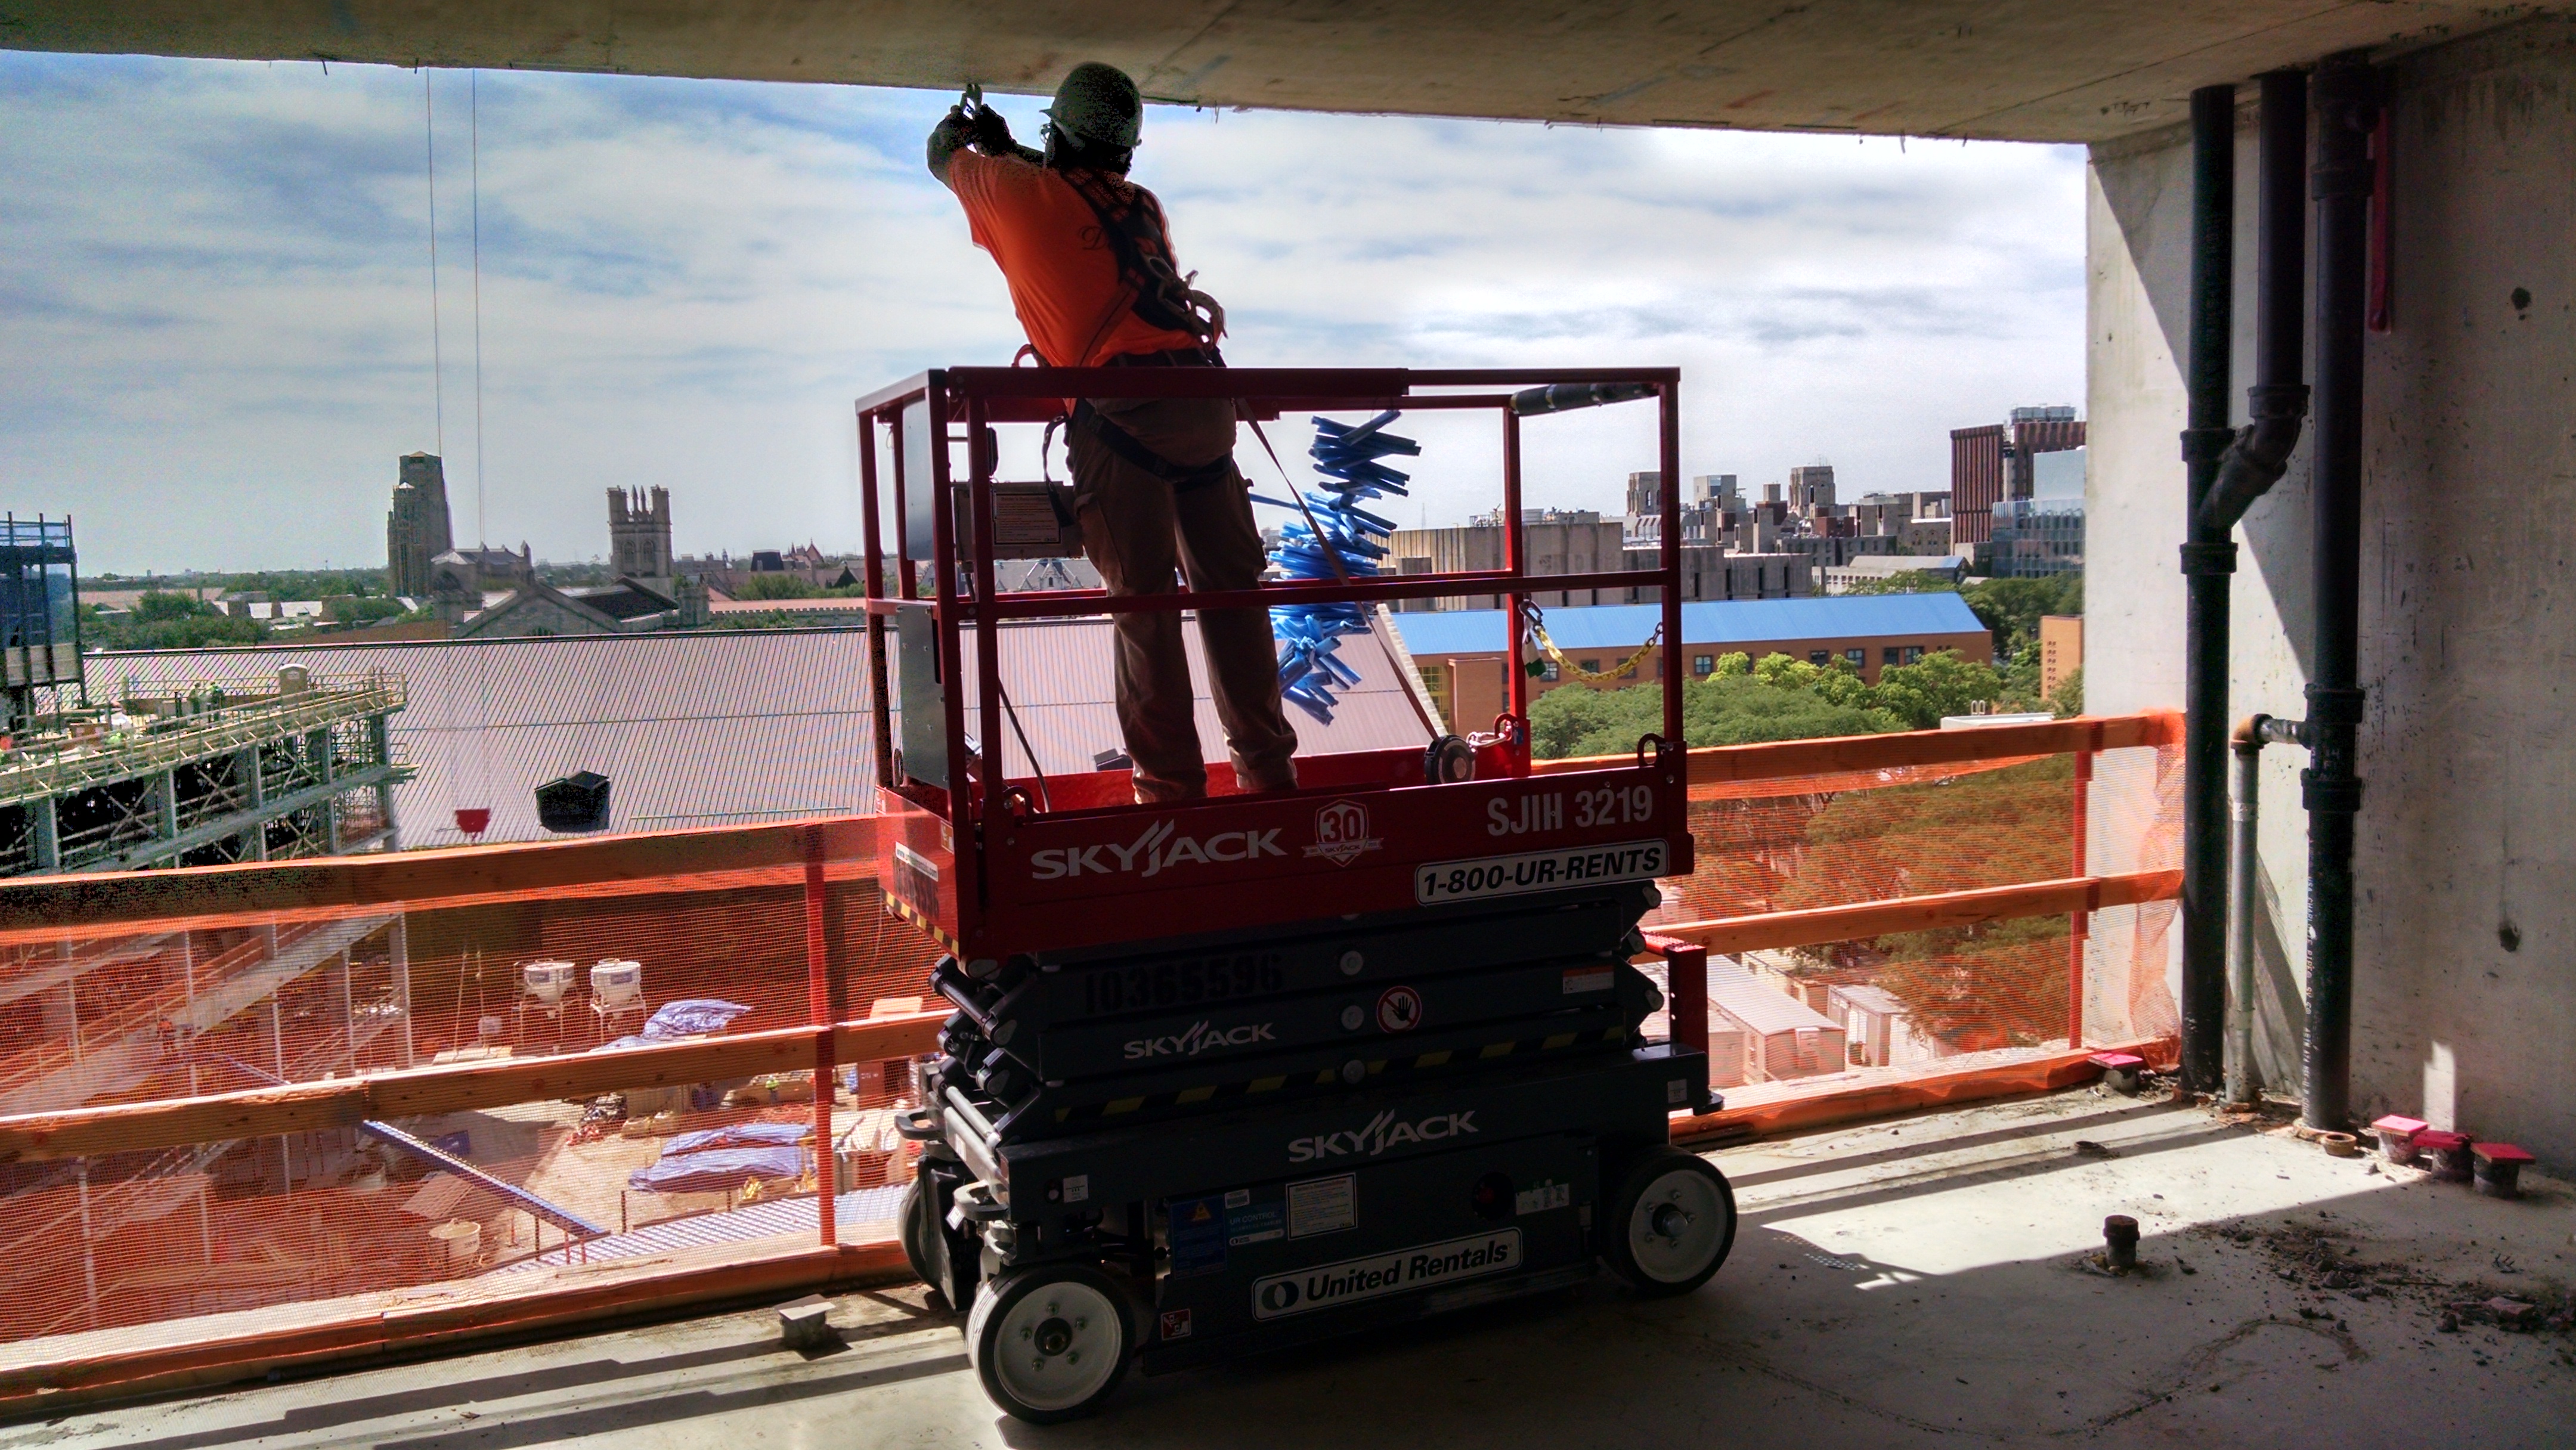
(1089, 261)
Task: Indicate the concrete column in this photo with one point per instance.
(349, 1010)
(89, 1256)
(188, 974)
(254, 796)
(277, 1061)
(48, 836)
(317, 747)
(398, 938)
(380, 742)
(165, 789)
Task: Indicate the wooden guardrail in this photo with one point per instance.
(303, 1107)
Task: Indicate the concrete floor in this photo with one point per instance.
(1919, 1281)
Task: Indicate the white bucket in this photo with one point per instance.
(462, 1240)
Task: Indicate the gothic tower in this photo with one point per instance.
(416, 531)
(639, 534)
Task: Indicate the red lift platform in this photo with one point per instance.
(996, 865)
(1244, 1071)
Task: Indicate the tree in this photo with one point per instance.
(1740, 704)
(1911, 581)
(161, 607)
(1991, 984)
(777, 586)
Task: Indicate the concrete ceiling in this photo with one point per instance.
(2035, 70)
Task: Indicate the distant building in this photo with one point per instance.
(1773, 1036)
(1811, 489)
(1460, 654)
(2061, 650)
(1871, 568)
(1879, 1029)
(629, 606)
(1912, 523)
(1559, 541)
(416, 529)
(639, 535)
(1995, 463)
(474, 573)
(2034, 538)
(39, 613)
(1713, 573)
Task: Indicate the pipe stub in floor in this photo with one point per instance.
(2120, 1243)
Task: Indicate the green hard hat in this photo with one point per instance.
(1099, 104)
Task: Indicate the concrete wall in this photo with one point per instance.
(2465, 1000)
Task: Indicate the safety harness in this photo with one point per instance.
(1131, 222)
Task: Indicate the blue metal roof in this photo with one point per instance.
(1727, 623)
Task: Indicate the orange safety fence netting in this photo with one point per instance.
(174, 986)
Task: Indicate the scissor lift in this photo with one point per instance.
(1246, 1071)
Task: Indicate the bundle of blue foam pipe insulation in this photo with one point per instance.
(1309, 635)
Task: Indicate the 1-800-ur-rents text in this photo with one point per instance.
(1538, 871)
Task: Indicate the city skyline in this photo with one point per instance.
(684, 283)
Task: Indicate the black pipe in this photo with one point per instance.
(2347, 94)
(2278, 401)
(2207, 559)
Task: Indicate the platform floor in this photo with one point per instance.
(1924, 1281)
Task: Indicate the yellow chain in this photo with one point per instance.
(1538, 631)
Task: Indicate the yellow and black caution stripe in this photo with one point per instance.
(905, 910)
(1329, 1077)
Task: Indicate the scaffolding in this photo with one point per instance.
(210, 777)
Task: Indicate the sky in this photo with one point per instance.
(216, 315)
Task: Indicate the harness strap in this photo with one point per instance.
(1118, 440)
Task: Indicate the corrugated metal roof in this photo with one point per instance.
(1871, 999)
(1759, 1005)
(1726, 622)
(692, 729)
(702, 728)
(1058, 676)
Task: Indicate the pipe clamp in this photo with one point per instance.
(2332, 705)
(2205, 445)
(2339, 795)
(2207, 559)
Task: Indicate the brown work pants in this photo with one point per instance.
(1136, 527)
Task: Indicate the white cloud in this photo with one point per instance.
(214, 293)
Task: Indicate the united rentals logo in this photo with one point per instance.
(1155, 850)
(1328, 1286)
(1383, 1132)
(1342, 833)
(1200, 1037)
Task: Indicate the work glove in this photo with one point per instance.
(992, 133)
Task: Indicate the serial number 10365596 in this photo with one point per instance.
(1609, 805)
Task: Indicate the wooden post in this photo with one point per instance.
(2078, 922)
(818, 1008)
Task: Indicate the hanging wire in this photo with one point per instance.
(437, 360)
(482, 536)
(474, 109)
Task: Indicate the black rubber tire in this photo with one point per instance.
(1679, 1258)
(1097, 1319)
(912, 1226)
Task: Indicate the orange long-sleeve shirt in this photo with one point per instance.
(1063, 277)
